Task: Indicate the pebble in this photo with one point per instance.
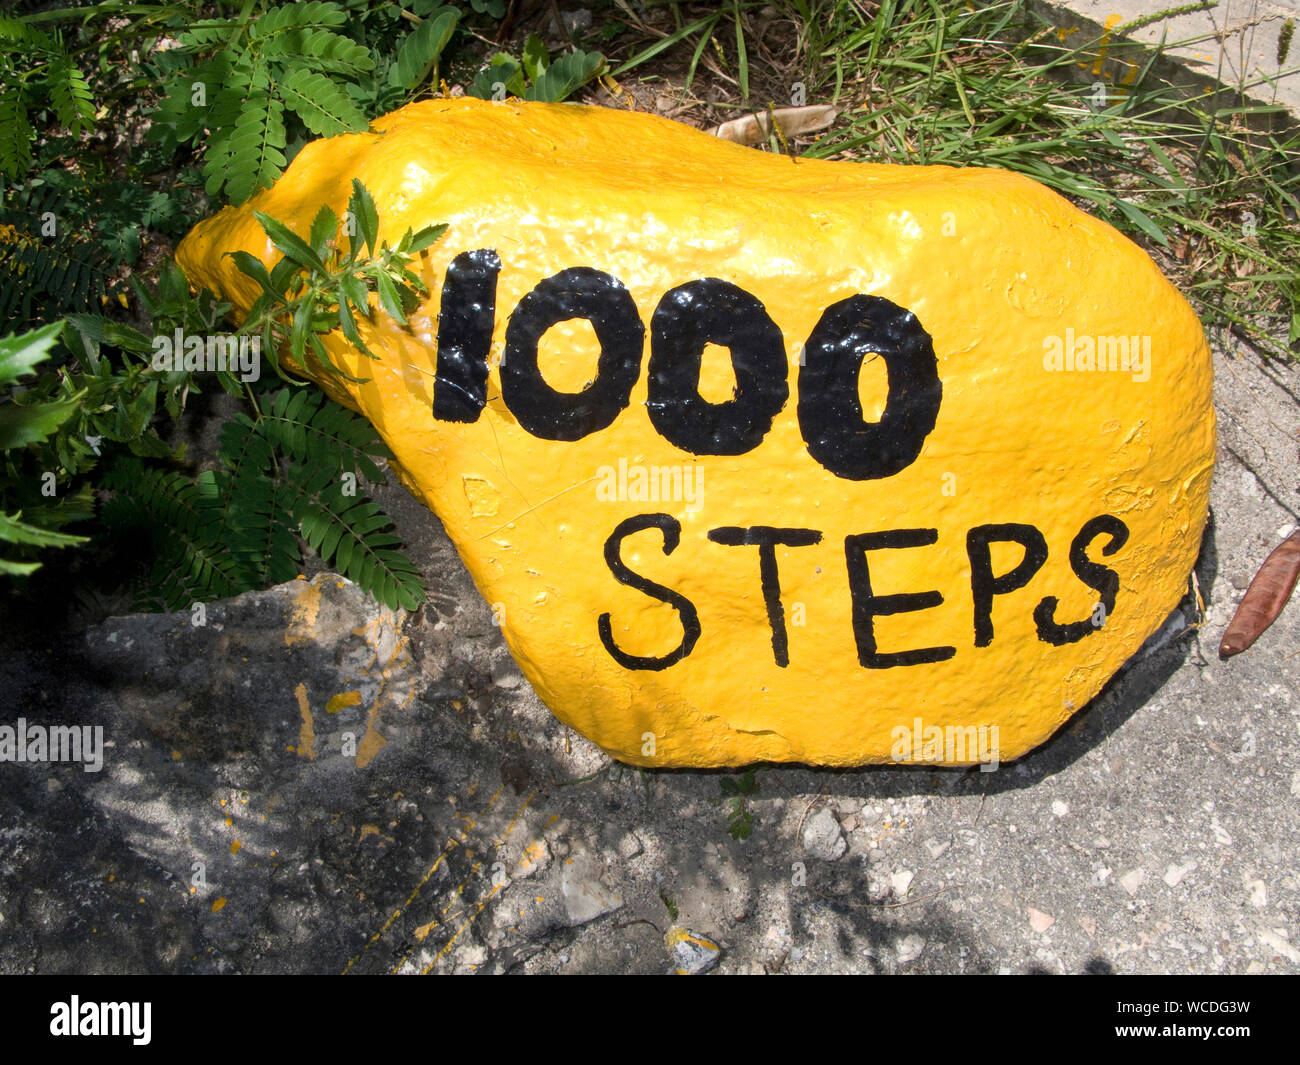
(692, 954)
(937, 847)
(822, 836)
(910, 948)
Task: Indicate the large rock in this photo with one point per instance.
(953, 474)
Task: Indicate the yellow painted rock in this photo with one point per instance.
(764, 459)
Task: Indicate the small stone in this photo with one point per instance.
(1040, 921)
(910, 948)
(937, 847)
(900, 882)
(1276, 942)
(1132, 880)
(1059, 808)
(629, 846)
(1175, 873)
(1088, 925)
(585, 897)
(536, 856)
(1258, 894)
(691, 954)
(822, 836)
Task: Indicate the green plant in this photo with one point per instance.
(36, 73)
(669, 904)
(316, 288)
(25, 421)
(735, 792)
(295, 465)
(256, 67)
(233, 83)
(536, 76)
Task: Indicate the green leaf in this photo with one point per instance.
(289, 243)
(741, 825)
(420, 50)
(426, 237)
(502, 73)
(256, 269)
(20, 353)
(1143, 221)
(356, 292)
(323, 228)
(349, 326)
(255, 147)
(322, 105)
(21, 425)
(301, 327)
(20, 532)
(536, 57)
(16, 133)
(364, 216)
(389, 299)
(565, 76)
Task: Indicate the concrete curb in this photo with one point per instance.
(1231, 45)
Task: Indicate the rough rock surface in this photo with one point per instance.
(378, 793)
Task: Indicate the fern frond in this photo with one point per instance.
(243, 451)
(202, 35)
(258, 526)
(309, 428)
(322, 50)
(322, 105)
(70, 95)
(290, 17)
(256, 147)
(349, 532)
(183, 520)
(45, 280)
(219, 166)
(16, 133)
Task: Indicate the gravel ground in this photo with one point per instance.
(425, 813)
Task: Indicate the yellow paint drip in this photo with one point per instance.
(307, 730)
(306, 609)
(341, 701)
